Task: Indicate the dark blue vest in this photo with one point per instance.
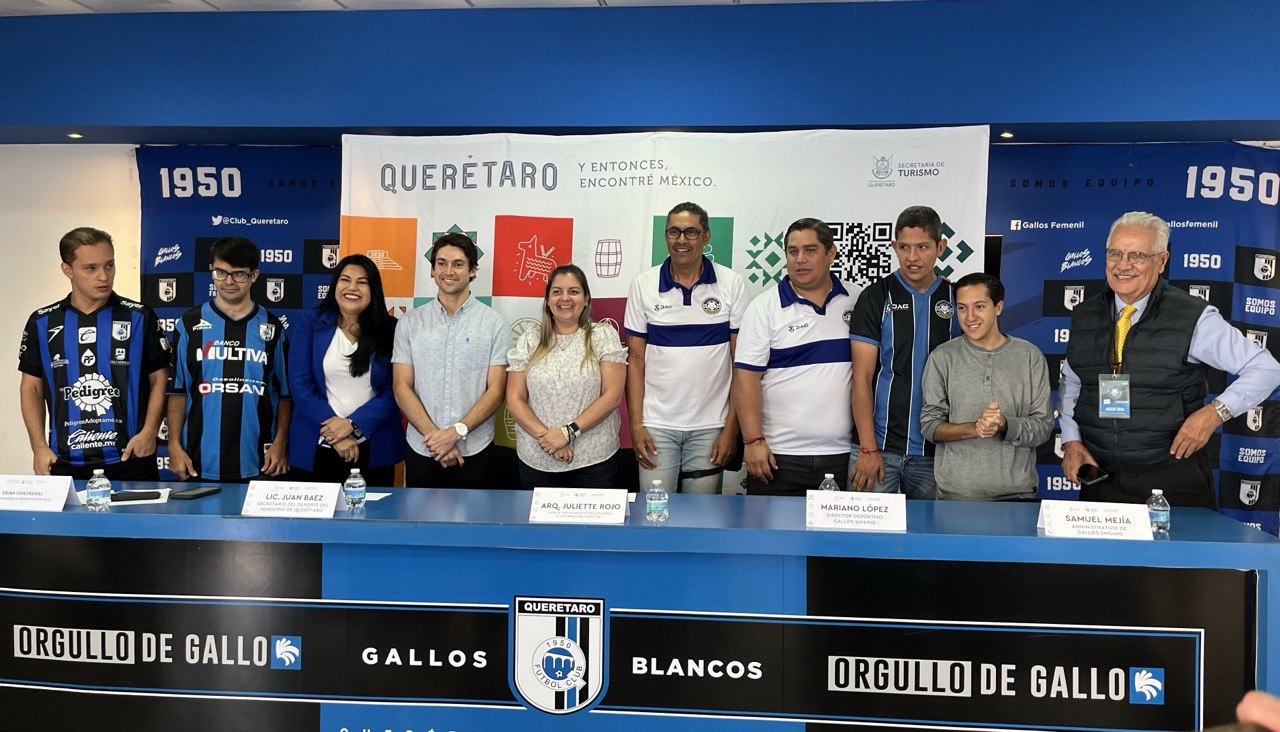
(1164, 387)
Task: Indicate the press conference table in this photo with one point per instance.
(422, 612)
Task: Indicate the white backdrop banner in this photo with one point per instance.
(533, 202)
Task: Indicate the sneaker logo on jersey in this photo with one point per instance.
(267, 331)
(120, 329)
(87, 358)
(202, 325)
(711, 306)
(91, 393)
(943, 309)
(54, 331)
(88, 335)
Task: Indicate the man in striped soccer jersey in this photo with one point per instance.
(95, 362)
(898, 321)
(229, 403)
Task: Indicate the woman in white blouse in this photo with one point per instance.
(563, 389)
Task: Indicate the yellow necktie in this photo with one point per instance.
(1122, 331)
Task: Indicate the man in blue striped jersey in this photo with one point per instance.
(229, 403)
(897, 323)
(95, 362)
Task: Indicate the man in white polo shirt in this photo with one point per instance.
(793, 370)
(681, 323)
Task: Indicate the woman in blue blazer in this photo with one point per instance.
(344, 412)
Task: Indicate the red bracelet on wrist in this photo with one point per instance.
(753, 440)
(868, 450)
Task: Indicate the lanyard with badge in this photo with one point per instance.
(1113, 388)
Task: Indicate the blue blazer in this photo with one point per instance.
(378, 419)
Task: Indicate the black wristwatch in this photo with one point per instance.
(574, 429)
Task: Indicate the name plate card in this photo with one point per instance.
(855, 511)
(291, 500)
(1089, 520)
(578, 506)
(36, 492)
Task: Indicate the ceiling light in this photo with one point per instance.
(1006, 135)
(74, 135)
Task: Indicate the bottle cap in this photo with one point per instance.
(829, 476)
(657, 483)
(1157, 492)
(355, 471)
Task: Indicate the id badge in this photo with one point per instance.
(1113, 396)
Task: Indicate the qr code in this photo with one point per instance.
(863, 254)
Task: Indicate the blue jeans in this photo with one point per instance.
(909, 474)
(682, 450)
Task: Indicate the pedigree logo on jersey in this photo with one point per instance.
(392, 245)
(525, 250)
(91, 393)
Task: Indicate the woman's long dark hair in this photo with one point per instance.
(377, 326)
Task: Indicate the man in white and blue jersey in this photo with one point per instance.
(898, 321)
(95, 362)
(229, 403)
(792, 371)
(682, 324)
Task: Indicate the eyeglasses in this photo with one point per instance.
(691, 233)
(238, 276)
(1115, 255)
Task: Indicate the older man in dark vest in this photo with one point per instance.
(1133, 385)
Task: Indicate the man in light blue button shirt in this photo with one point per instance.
(450, 371)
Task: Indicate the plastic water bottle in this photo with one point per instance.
(97, 494)
(1158, 510)
(655, 503)
(828, 483)
(353, 490)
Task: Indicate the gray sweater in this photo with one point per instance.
(960, 380)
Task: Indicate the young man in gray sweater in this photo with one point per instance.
(986, 402)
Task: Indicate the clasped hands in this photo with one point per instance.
(991, 421)
(555, 443)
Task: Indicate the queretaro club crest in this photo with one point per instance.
(1254, 419)
(1072, 295)
(1249, 491)
(557, 662)
(1264, 266)
(168, 289)
(275, 289)
(329, 255)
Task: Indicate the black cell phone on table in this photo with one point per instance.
(124, 496)
(197, 491)
(1089, 474)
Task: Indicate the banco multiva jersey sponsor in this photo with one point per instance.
(232, 373)
(94, 367)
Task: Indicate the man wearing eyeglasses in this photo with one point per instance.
(1133, 383)
(897, 323)
(229, 403)
(682, 323)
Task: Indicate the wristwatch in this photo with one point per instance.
(572, 429)
(1224, 412)
(462, 430)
